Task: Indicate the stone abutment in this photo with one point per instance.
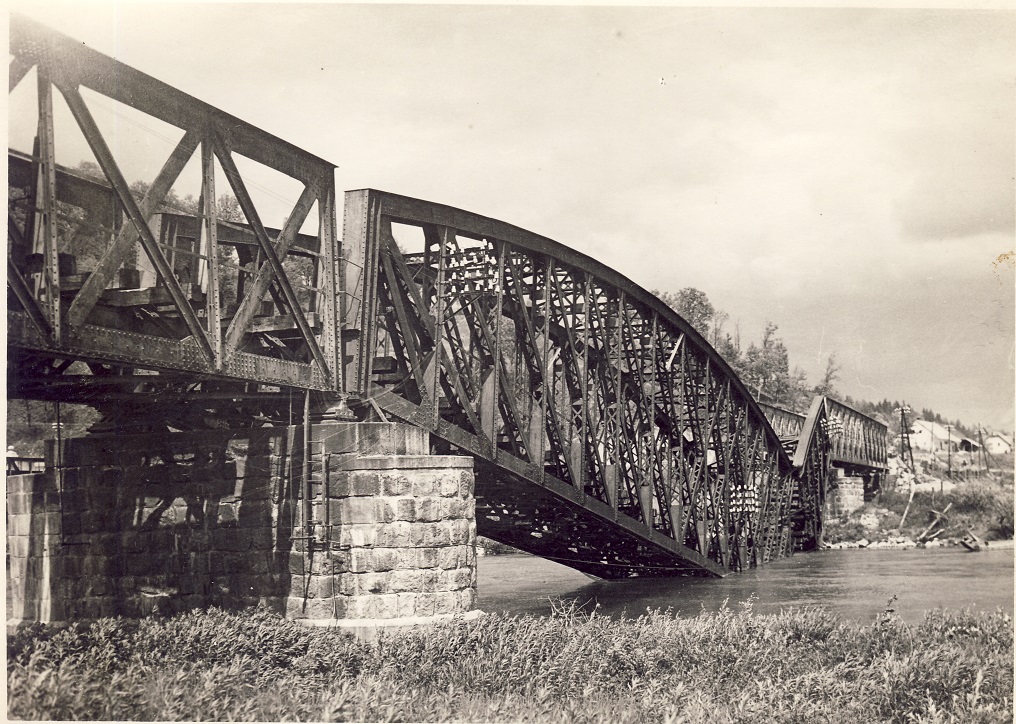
(355, 523)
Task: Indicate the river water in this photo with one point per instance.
(853, 584)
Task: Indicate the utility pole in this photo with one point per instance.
(984, 450)
(905, 448)
(948, 450)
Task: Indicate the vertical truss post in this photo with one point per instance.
(209, 215)
(45, 208)
(614, 364)
(586, 438)
(328, 276)
(492, 405)
(445, 238)
(547, 418)
(360, 244)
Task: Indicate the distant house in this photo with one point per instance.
(998, 445)
(932, 437)
(968, 445)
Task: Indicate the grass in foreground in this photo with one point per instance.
(731, 666)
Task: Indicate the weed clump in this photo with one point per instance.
(731, 665)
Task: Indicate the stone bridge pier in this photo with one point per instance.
(355, 524)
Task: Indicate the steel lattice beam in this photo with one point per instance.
(565, 379)
(179, 321)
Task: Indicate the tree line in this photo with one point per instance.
(765, 369)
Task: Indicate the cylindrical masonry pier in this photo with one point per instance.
(139, 524)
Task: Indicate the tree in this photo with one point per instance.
(91, 170)
(228, 209)
(730, 351)
(825, 387)
(716, 331)
(172, 203)
(693, 306)
(799, 394)
(767, 368)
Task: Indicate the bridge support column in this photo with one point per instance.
(402, 546)
(133, 525)
(845, 494)
(33, 547)
(139, 524)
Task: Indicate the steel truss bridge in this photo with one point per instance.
(607, 433)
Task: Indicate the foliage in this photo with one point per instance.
(767, 365)
(766, 372)
(693, 306)
(832, 372)
(728, 666)
(847, 530)
(31, 422)
(764, 368)
(983, 506)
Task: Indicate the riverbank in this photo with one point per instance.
(932, 518)
(903, 542)
(732, 665)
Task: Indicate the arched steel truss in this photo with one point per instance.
(578, 392)
(607, 434)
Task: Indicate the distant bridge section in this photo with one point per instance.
(831, 437)
(857, 441)
(862, 442)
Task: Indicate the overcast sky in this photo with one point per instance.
(846, 174)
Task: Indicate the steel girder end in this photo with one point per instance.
(338, 412)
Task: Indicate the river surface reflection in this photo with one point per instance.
(853, 584)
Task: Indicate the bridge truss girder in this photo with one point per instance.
(861, 443)
(560, 373)
(607, 433)
(180, 323)
(831, 436)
